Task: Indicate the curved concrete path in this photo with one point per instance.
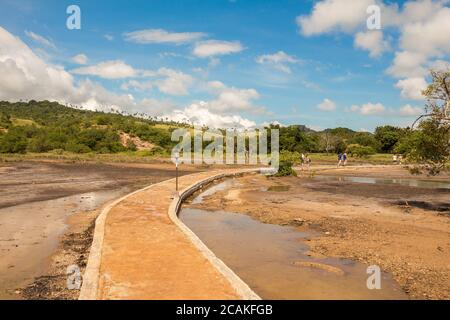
(141, 250)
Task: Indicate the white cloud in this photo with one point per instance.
(174, 82)
(434, 40)
(411, 88)
(80, 59)
(333, 16)
(230, 99)
(211, 48)
(137, 85)
(162, 36)
(279, 61)
(372, 41)
(408, 64)
(109, 37)
(409, 111)
(421, 28)
(40, 39)
(114, 69)
(200, 114)
(327, 105)
(369, 109)
(23, 75)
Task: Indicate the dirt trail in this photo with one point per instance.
(146, 256)
(363, 222)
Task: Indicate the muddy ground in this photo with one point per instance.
(47, 214)
(405, 230)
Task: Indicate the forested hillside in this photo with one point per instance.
(39, 127)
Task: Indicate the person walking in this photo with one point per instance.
(308, 161)
(344, 158)
(339, 159)
(303, 160)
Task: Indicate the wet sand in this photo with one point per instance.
(47, 211)
(404, 230)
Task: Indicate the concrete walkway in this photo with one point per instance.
(142, 251)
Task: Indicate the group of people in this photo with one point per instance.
(306, 160)
(342, 159)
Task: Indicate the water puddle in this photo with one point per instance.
(212, 190)
(273, 260)
(430, 184)
(30, 234)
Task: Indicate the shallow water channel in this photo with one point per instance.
(273, 259)
(430, 184)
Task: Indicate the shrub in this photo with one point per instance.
(15, 141)
(360, 151)
(285, 169)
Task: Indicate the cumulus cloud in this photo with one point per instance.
(167, 80)
(421, 25)
(80, 59)
(148, 36)
(369, 109)
(137, 85)
(114, 69)
(174, 82)
(40, 39)
(278, 61)
(377, 109)
(231, 99)
(210, 48)
(372, 41)
(200, 114)
(431, 32)
(29, 77)
(409, 111)
(327, 105)
(408, 64)
(411, 88)
(334, 15)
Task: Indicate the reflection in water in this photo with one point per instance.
(212, 190)
(272, 260)
(30, 234)
(404, 182)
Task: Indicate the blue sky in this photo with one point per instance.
(278, 60)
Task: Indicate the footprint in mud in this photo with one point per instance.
(320, 266)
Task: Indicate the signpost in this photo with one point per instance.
(177, 156)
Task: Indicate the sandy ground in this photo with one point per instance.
(47, 211)
(405, 230)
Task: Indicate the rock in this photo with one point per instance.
(298, 221)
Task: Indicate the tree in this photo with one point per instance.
(438, 96)
(388, 136)
(429, 144)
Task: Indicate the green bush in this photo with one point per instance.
(15, 141)
(360, 151)
(285, 169)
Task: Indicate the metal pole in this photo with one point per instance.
(176, 177)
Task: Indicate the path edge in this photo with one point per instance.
(240, 287)
(91, 276)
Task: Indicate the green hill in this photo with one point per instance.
(45, 126)
(42, 127)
